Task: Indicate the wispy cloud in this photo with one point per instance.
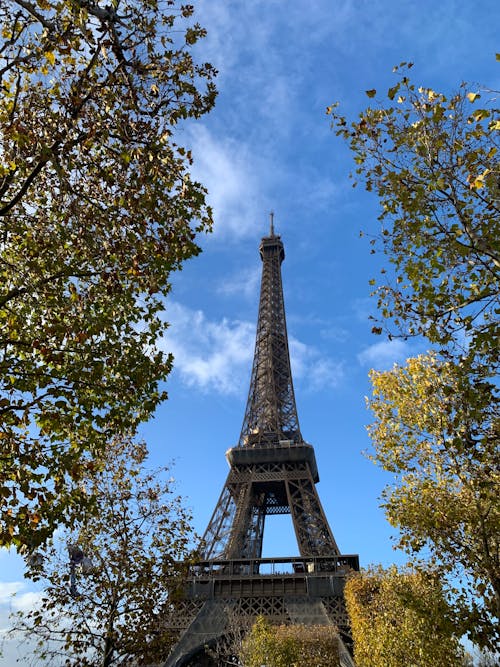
(8, 589)
(12, 595)
(209, 355)
(245, 283)
(312, 369)
(382, 355)
(232, 174)
(216, 355)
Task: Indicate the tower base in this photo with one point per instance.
(223, 596)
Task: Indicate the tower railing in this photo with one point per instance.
(269, 567)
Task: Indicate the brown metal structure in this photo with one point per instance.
(272, 471)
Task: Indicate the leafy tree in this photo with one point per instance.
(97, 207)
(400, 618)
(433, 161)
(437, 432)
(113, 612)
(290, 646)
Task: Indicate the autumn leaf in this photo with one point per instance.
(391, 610)
(427, 154)
(127, 571)
(98, 208)
(433, 430)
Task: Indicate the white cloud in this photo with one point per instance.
(11, 595)
(26, 601)
(210, 355)
(217, 355)
(325, 373)
(314, 371)
(241, 43)
(231, 173)
(8, 589)
(245, 282)
(382, 355)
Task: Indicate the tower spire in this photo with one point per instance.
(271, 412)
(271, 215)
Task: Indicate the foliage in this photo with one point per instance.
(400, 618)
(97, 206)
(438, 433)
(290, 646)
(115, 614)
(433, 162)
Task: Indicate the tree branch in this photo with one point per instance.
(35, 13)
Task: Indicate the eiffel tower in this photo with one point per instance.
(272, 471)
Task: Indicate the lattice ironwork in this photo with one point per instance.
(272, 471)
(181, 614)
(271, 413)
(253, 491)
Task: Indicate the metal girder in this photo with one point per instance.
(220, 526)
(313, 533)
(271, 412)
(255, 492)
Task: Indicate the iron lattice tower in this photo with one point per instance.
(272, 471)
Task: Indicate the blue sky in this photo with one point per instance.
(267, 146)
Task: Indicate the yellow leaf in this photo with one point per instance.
(371, 93)
(480, 114)
(477, 182)
(472, 96)
(49, 55)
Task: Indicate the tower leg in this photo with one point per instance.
(208, 625)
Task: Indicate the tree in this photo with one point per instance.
(290, 646)
(400, 618)
(433, 162)
(97, 207)
(131, 553)
(437, 432)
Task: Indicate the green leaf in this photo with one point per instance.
(77, 369)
